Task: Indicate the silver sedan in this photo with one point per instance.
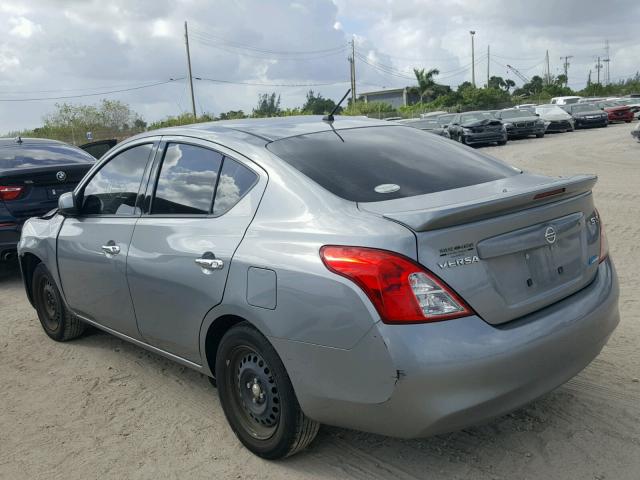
(352, 272)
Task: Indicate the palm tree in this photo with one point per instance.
(426, 83)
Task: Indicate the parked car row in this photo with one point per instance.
(563, 114)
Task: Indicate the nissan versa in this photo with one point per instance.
(352, 272)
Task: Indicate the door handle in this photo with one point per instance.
(111, 248)
(208, 261)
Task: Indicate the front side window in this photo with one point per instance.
(187, 180)
(235, 181)
(114, 189)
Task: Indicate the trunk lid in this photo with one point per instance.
(508, 247)
(42, 187)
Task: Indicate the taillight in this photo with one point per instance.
(604, 243)
(10, 192)
(401, 290)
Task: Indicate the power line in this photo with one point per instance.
(258, 84)
(91, 94)
(220, 41)
(78, 89)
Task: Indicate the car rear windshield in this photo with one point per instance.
(514, 113)
(583, 107)
(383, 163)
(39, 155)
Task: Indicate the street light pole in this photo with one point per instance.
(473, 59)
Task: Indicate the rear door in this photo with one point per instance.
(183, 245)
(93, 246)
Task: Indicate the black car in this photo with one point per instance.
(33, 174)
(99, 147)
(521, 123)
(445, 119)
(587, 115)
(479, 127)
(430, 125)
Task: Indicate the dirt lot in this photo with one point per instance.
(100, 408)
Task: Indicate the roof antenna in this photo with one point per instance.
(329, 118)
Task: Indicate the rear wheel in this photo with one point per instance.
(56, 320)
(257, 396)
(539, 135)
(502, 142)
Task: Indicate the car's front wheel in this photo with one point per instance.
(257, 396)
(56, 320)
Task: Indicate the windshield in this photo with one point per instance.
(445, 119)
(515, 113)
(41, 155)
(425, 124)
(583, 107)
(382, 163)
(550, 109)
(475, 116)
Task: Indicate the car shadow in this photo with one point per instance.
(342, 453)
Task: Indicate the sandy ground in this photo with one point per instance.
(100, 408)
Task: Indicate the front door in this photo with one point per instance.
(93, 247)
(181, 250)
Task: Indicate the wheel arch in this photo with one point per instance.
(214, 333)
(28, 263)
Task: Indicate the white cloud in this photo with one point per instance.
(23, 27)
(73, 44)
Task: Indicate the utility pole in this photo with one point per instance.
(598, 67)
(473, 59)
(606, 61)
(488, 63)
(352, 61)
(548, 75)
(193, 98)
(566, 66)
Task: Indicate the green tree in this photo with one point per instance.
(232, 115)
(268, 105)
(318, 105)
(427, 87)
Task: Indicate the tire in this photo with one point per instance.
(267, 421)
(627, 121)
(502, 142)
(56, 320)
(539, 135)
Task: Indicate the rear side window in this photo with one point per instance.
(187, 180)
(235, 181)
(382, 163)
(114, 189)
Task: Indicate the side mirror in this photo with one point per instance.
(67, 204)
(537, 114)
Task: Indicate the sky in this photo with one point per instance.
(241, 48)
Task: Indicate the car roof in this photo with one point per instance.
(20, 141)
(269, 129)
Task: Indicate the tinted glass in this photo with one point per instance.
(41, 155)
(583, 107)
(475, 116)
(235, 181)
(114, 189)
(425, 124)
(98, 149)
(445, 119)
(187, 180)
(357, 161)
(514, 114)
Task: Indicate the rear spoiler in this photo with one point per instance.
(491, 206)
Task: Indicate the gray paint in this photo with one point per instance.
(262, 284)
(347, 367)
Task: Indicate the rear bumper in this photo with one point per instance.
(9, 238)
(453, 374)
